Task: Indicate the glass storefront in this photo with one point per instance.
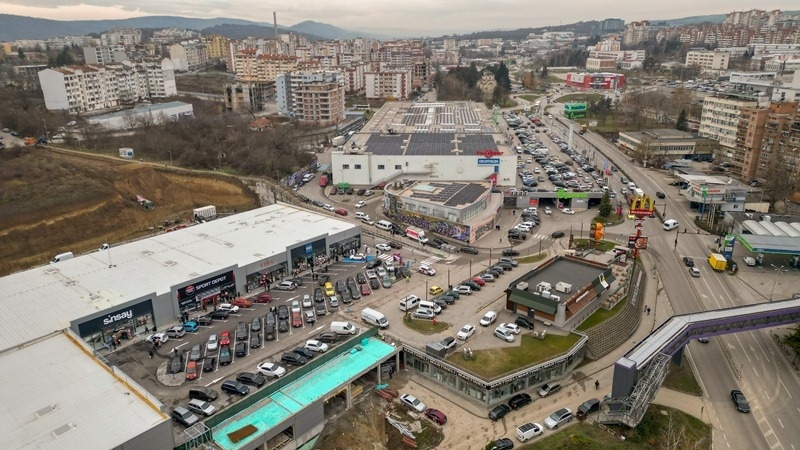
(342, 248)
(210, 291)
(108, 331)
(258, 280)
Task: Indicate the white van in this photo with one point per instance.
(430, 305)
(343, 328)
(308, 177)
(409, 303)
(384, 225)
(631, 185)
(670, 224)
(374, 317)
(527, 431)
(62, 257)
(361, 215)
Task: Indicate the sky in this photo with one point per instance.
(407, 17)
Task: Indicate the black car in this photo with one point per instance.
(355, 293)
(328, 337)
(557, 234)
(283, 312)
(395, 244)
(293, 359)
(660, 194)
(374, 284)
(255, 340)
(255, 326)
(740, 401)
(519, 400)
(448, 299)
(241, 349)
(440, 302)
(499, 411)
(225, 357)
(204, 320)
(241, 331)
(524, 322)
(219, 315)
(361, 278)
(269, 318)
(317, 203)
(374, 263)
(688, 261)
(324, 279)
(176, 365)
(283, 325)
(209, 364)
(470, 250)
(340, 286)
(503, 444)
(269, 332)
(589, 406)
(345, 297)
(253, 379)
(234, 387)
(440, 242)
(319, 297)
(472, 285)
(304, 352)
(510, 252)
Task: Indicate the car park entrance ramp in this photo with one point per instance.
(638, 375)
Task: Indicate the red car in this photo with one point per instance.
(191, 370)
(297, 319)
(225, 338)
(340, 211)
(436, 416)
(263, 298)
(333, 190)
(242, 302)
(479, 281)
(365, 289)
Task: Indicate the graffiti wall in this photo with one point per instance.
(452, 230)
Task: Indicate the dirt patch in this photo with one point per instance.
(53, 202)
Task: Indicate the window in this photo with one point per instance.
(381, 167)
(398, 167)
(345, 166)
(358, 166)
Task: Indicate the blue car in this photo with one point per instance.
(191, 326)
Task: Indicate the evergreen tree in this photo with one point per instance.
(605, 207)
(544, 73)
(20, 54)
(64, 58)
(681, 123)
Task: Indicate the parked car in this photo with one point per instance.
(201, 407)
(219, 314)
(283, 325)
(255, 340)
(304, 352)
(469, 250)
(588, 407)
(560, 417)
(466, 331)
(204, 320)
(504, 334)
(519, 400)
(316, 346)
(263, 298)
(191, 370)
(502, 444)
(524, 322)
(233, 309)
(549, 388)
(225, 357)
(241, 331)
(412, 402)
(269, 369)
(464, 289)
(499, 411)
(328, 337)
(195, 353)
(242, 302)
(512, 327)
(488, 318)
(510, 252)
(293, 359)
(234, 387)
(283, 312)
(253, 379)
(320, 309)
(240, 349)
(209, 364)
(436, 416)
(184, 416)
(176, 364)
(448, 342)
(423, 313)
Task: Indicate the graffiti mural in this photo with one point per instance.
(445, 228)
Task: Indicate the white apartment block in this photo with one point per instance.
(187, 56)
(311, 97)
(123, 36)
(252, 65)
(708, 59)
(601, 64)
(719, 121)
(80, 89)
(104, 54)
(389, 84)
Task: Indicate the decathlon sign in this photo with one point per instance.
(488, 161)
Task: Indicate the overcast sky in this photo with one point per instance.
(413, 17)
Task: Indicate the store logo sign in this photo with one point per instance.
(488, 153)
(189, 290)
(125, 315)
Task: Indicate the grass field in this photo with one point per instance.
(681, 378)
(601, 315)
(424, 326)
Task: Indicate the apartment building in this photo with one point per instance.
(187, 56)
(719, 120)
(311, 97)
(216, 46)
(761, 132)
(80, 89)
(121, 36)
(635, 33)
(389, 84)
(104, 54)
(601, 63)
(709, 60)
(252, 65)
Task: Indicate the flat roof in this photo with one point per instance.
(56, 395)
(143, 109)
(567, 270)
(87, 284)
(429, 144)
(319, 383)
(454, 195)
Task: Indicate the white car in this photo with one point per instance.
(358, 257)
(212, 343)
(295, 306)
(316, 346)
(412, 402)
(466, 331)
(504, 334)
(269, 369)
(523, 227)
(307, 302)
(567, 211)
(360, 204)
(512, 327)
(381, 272)
(158, 337)
(389, 267)
(547, 210)
(228, 307)
(368, 221)
(427, 270)
(369, 192)
(327, 207)
(488, 318)
(384, 247)
(371, 274)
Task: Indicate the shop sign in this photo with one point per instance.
(488, 161)
(210, 283)
(488, 153)
(118, 316)
(561, 193)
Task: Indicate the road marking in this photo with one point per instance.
(214, 381)
(781, 423)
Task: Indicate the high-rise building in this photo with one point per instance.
(389, 84)
(311, 97)
(635, 33)
(719, 120)
(766, 132)
(612, 25)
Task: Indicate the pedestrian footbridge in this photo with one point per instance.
(638, 375)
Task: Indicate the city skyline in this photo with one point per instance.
(432, 17)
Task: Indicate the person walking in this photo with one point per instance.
(596, 385)
(151, 354)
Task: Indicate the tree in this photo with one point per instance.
(605, 207)
(681, 123)
(20, 54)
(544, 73)
(64, 58)
(502, 78)
(793, 341)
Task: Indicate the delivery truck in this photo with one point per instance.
(717, 262)
(417, 235)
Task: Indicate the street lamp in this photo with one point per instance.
(470, 267)
(170, 157)
(778, 271)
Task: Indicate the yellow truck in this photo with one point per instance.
(717, 262)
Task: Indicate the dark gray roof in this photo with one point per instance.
(386, 144)
(452, 194)
(428, 144)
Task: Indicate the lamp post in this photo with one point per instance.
(470, 267)
(778, 271)
(170, 156)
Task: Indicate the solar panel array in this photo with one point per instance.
(386, 144)
(472, 143)
(447, 114)
(452, 194)
(428, 144)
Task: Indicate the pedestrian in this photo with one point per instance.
(648, 310)
(596, 385)
(501, 240)
(408, 278)
(151, 354)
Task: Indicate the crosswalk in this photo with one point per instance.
(537, 237)
(429, 261)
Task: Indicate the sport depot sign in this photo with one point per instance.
(216, 282)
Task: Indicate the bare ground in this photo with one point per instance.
(52, 202)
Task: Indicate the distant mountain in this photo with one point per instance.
(14, 28)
